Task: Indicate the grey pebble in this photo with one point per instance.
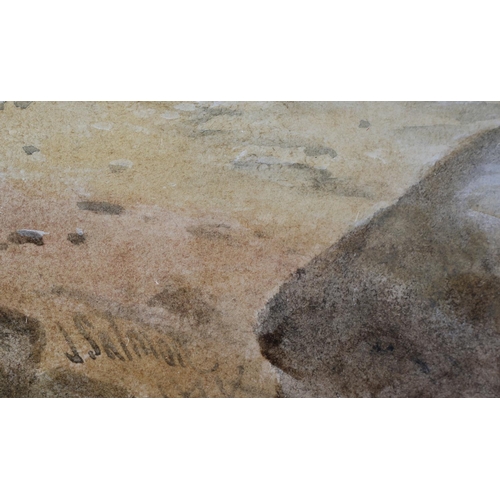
(364, 124)
(119, 166)
(22, 104)
(76, 238)
(23, 236)
(29, 150)
(2, 104)
(319, 151)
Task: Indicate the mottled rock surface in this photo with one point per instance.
(408, 304)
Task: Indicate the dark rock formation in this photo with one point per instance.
(22, 340)
(407, 305)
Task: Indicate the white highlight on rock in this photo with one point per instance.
(241, 155)
(30, 232)
(121, 163)
(103, 126)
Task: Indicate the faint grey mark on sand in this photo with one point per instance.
(100, 207)
(119, 166)
(298, 175)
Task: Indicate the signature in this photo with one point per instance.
(126, 345)
(88, 341)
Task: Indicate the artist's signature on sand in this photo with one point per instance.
(126, 345)
(88, 340)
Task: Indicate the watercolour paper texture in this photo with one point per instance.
(249, 249)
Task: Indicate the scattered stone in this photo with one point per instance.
(119, 166)
(320, 151)
(2, 104)
(76, 238)
(23, 236)
(3, 246)
(29, 150)
(100, 207)
(22, 104)
(364, 124)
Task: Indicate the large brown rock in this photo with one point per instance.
(407, 305)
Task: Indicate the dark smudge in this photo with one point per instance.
(319, 151)
(100, 207)
(65, 384)
(185, 301)
(22, 340)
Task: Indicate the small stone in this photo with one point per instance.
(22, 104)
(79, 231)
(2, 104)
(320, 151)
(3, 246)
(23, 236)
(364, 124)
(118, 166)
(29, 150)
(76, 238)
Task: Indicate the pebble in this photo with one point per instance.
(320, 151)
(23, 236)
(22, 104)
(118, 166)
(2, 104)
(76, 238)
(29, 150)
(364, 124)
